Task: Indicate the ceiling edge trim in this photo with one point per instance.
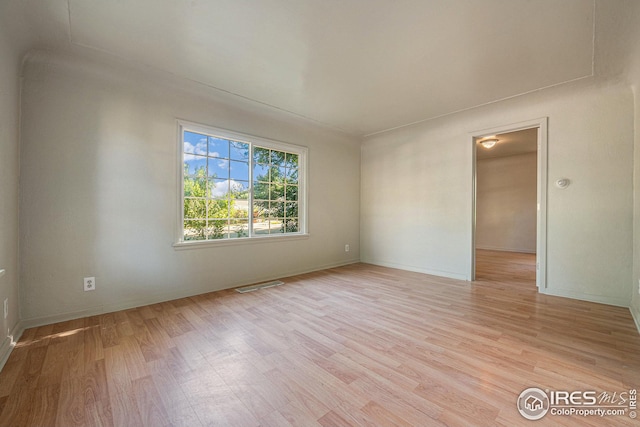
(478, 106)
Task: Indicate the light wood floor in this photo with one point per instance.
(507, 268)
(351, 346)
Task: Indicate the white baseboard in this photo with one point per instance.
(110, 308)
(9, 343)
(635, 319)
(618, 302)
(432, 272)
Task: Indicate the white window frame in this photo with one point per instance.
(252, 140)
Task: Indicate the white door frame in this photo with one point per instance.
(541, 194)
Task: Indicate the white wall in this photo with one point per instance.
(417, 190)
(634, 78)
(9, 136)
(620, 49)
(635, 283)
(99, 170)
(506, 203)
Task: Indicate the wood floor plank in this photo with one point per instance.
(355, 417)
(96, 391)
(54, 361)
(71, 407)
(43, 406)
(297, 414)
(382, 416)
(10, 373)
(17, 407)
(149, 403)
(133, 357)
(32, 367)
(275, 419)
(333, 419)
(302, 398)
(120, 388)
(359, 345)
(92, 348)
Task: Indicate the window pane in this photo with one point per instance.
(277, 210)
(225, 188)
(277, 191)
(276, 226)
(240, 190)
(218, 147)
(261, 211)
(292, 192)
(239, 170)
(292, 176)
(277, 158)
(260, 173)
(194, 230)
(261, 226)
(239, 228)
(240, 209)
(195, 208)
(292, 160)
(291, 210)
(291, 225)
(239, 151)
(195, 165)
(194, 187)
(218, 208)
(261, 191)
(195, 143)
(218, 168)
(261, 155)
(218, 188)
(217, 229)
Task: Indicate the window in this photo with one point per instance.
(235, 186)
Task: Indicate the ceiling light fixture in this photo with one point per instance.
(489, 143)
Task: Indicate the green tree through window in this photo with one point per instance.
(275, 191)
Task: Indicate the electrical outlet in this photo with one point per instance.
(89, 284)
(346, 248)
(6, 308)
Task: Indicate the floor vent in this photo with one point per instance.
(259, 286)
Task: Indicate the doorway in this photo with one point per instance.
(509, 204)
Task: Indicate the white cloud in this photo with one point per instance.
(223, 187)
(190, 149)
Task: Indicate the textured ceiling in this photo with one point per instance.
(361, 66)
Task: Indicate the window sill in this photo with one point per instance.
(196, 244)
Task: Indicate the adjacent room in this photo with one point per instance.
(506, 229)
(318, 213)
